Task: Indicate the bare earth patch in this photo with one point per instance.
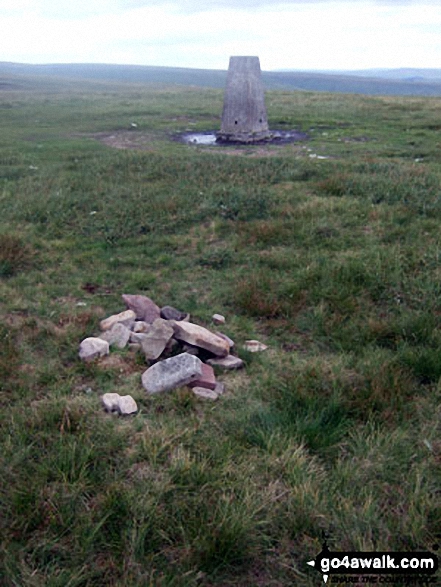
(125, 139)
(118, 363)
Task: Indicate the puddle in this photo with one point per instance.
(197, 138)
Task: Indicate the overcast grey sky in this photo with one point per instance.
(297, 34)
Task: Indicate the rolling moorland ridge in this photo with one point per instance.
(423, 82)
(327, 250)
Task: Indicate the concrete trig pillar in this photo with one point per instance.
(244, 117)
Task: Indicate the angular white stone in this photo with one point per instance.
(170, 373)
(127, 405)
(91, 348)
(110, 401)
(229, 362)
(201, 337)
(155, 340)
(118, 335)
(123, 404)
(127, 318)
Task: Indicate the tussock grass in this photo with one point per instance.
(15, 254)
(333, 263)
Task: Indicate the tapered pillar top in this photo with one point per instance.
(244, 65)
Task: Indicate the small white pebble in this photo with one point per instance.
(254, 346)
(218, 319)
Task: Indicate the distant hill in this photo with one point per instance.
(404, 73)
(120, 73)
(353, 83)
(403, 82)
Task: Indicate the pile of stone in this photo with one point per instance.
(179, 353)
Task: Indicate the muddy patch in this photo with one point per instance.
(142, 141)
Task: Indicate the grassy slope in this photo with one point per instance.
(334, 263)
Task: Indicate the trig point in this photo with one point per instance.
(244, 118)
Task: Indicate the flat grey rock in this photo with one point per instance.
(171, 373)
(156, 339)
(201, 337)
(91, 348)
(204, 393)
(230, 362)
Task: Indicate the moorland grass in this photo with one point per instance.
(333, 263)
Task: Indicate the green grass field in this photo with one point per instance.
(328, 251)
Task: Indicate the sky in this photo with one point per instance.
(289, 34)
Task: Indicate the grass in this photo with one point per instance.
(333, 263)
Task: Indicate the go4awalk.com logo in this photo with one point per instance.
(399, 568)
